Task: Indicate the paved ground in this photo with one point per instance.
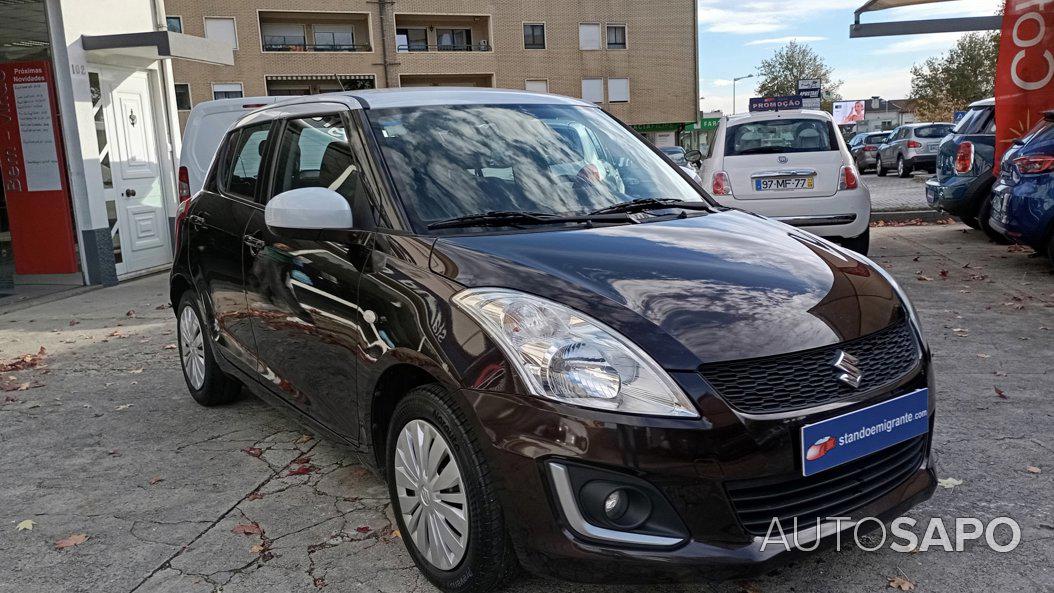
(892, 193)
(105, 442)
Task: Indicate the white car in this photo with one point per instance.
(792, 166)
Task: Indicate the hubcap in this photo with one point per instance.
(192, 348)
(431, 495)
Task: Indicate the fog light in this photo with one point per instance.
(615, 505)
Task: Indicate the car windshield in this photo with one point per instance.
(934, 131)
(779, 135)
(454, 161)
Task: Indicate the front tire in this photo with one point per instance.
(445, 496)
(903, 170)
(208, 384)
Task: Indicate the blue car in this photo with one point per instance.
(1023, 197)
(965, 159)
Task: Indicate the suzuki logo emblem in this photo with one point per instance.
(850, 373)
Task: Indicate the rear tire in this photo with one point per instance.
(208, 384)
(903, 169)
(860, 243)
(485, 560)
(879, 169)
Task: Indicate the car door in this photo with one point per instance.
(218, 218)
(302, 294)
(888, 148)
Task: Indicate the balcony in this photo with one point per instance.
(314, 32)
(442, 33)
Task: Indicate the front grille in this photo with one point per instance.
(800, 380)
(832, 493)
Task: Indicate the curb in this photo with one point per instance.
(925, 216)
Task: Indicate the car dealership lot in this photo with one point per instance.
(104, 441)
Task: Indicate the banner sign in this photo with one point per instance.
(1024, 83)
(848, 112)
(809, 88)
(775, 103)
(32, 168)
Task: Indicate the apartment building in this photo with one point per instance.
(636, 59)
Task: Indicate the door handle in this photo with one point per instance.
(255, 244)
(129, 193)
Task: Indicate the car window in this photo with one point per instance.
(857, 140)
(317, 152)
(934, 131)
(894, 135)
(877, 138)
(451, 161)
(975, 121)
(780, 135)
(246, 156)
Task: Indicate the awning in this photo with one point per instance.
(319, 77)
(142, 49)
(947, 25)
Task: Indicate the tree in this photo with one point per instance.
(949, 82)
(780, 73)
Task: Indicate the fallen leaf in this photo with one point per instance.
(162, 307)
(949, 483)
(254, 496)
(359, 472)
(73, 322)
(363, 529)
(748, 587)
(114, 453)
(68, 542)
(156, 479)
(302, 460)
(922, 278)
(26, 361)
(319, 582)
(136, 371)
(259, 548)
(900, 583)
(1033, 469)
(169, 347)
(130, 313)
(302, 470)
(983, 355)
(304, 438)
(247, 529)
(943, 273)
(123, 407)
(395, 533)
(254, 451)
(1000, 393)
(999, 373)
(26, 525)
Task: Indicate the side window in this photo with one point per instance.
(218, 177)
(244, 161)
(321, 151)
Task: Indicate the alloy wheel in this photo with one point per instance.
(192, 348)
(431, 495)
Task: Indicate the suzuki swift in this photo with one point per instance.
(554, 347)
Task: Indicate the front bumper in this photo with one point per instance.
(691, 462)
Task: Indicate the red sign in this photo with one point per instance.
(1024, 86)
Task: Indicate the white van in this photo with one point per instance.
(206, 126)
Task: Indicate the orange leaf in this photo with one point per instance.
(248, 529)
(74, 540)
(900, 583)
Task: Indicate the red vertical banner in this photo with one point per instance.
(1024, 85)
(34, 171)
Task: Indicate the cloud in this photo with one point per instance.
(763, 16)
(890, 83)
(721, 82)
(780, 40)
(933, 43)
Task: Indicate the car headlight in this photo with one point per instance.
(567, 356)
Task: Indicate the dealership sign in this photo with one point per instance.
(1024, 85)
(809, 91)
(775, 103)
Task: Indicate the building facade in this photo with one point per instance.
(882, 115)
(89, 130)
(637, 60)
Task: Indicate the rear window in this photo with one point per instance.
(877, 138)
(780, 135)
(975, 121)
(938, 131)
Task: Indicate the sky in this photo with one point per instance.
(735, 35)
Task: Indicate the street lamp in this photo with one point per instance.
(734, 81)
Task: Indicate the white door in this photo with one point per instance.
(136, 171)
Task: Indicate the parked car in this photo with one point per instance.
(911, 147)
(864, 148)
(206, 125)
(965, 160)
(547, 370)
(1023, 196)
(793, 166)
(676, 154)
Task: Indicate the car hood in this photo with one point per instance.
(723, 286)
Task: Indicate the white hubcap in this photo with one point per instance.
(431, 495)
(192, 348)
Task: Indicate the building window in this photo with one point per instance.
(334, 37)
(183, 102)
(283, 37)
(175, 23)
(536, 86)
(230, 90)
(589, 36)
(407, 39)
(616, 36)
(454, 39)
(222, 29)
(593, 90)
(534, 36)
(618, 90)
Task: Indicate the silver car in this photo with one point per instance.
(911, 147)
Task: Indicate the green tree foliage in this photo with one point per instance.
(949, 82)
(779, 74)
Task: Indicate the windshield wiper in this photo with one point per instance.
(641, 204)
(503, 218)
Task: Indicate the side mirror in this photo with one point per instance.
(313, 213)
(693, 156)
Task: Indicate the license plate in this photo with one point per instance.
(931, 148)
(844, 438)
(783, 184)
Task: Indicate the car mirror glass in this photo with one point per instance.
(693, 156)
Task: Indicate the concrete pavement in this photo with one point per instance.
(172, 497)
